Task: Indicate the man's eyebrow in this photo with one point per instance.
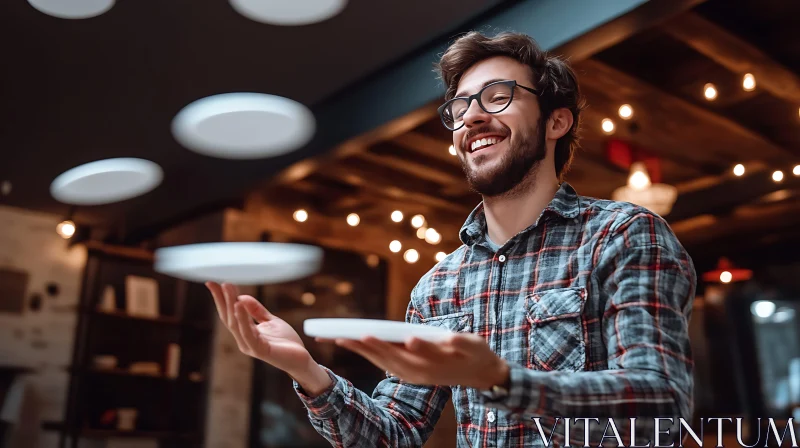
(463, 93)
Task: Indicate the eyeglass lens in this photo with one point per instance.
(493, 99)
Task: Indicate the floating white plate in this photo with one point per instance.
(295, 12)
(106, 181)
(239, 263)
(244, 125)
(386, 330)
(72, 9)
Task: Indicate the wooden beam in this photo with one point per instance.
(735, 54)
(669, 126)
(416, 165)
(727, 195)
(430, 146)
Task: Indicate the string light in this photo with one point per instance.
(710, 91)
(66, 229)
(432, 236)
(411, 256)
(777, 176)
(421, 233)
(417, 221)
(397, 216)
(725, 277)
(440, 256)
(300, 215)
(625, 111)
(608, 126)
(796, 170)
(452, 150)
(353, 219)
(749, 82)
(738, 170)
(395, 246)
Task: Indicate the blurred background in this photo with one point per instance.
(694, 112)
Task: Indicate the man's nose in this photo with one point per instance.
(475, 114)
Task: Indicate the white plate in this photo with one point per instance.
(244, 125)
(106, 181)
(239, 263)
(386, 330)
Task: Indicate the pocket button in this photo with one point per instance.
(502, 258)
(490, 417)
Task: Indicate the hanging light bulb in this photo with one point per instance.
(395, 246)
(421, 233)
(625, 111)
(710, 92)
(777, 176)
(397, 216)
(738, 170)
(66, 229)
(432, 236)
(796, 170)
(452, 150)
(300, 215)
(658, 198)
(608, 126)
(639, 179)
(411, 256)
(353, 219)
(417, 221)
(749, 82)
(440, 256)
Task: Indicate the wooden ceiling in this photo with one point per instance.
(661, 72)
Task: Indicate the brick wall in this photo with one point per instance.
(40, 339)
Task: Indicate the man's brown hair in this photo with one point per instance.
(552, 77)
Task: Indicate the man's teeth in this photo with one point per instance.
(480, 143)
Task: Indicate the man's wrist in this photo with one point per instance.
(498, 376)
(314, 380)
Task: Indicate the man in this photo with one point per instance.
(564, 306)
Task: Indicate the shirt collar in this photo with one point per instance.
(565, 203)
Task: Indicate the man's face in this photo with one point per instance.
(493, 170)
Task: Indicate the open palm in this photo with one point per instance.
(272, 340)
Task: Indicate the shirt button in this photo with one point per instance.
(490, 416)
(502, 258)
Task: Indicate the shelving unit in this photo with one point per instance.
(169, 409)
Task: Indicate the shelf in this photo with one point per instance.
(127, 373)
(164, 320)
(120, 251)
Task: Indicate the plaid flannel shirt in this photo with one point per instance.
(589, 306)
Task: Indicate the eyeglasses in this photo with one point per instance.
(493, 98)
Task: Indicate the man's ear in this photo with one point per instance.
(560, 123)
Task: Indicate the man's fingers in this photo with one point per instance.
(231, 295)
(255, 309)
(219, 300)
(247, 329)
(427, 349)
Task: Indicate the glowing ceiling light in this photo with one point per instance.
(397, 216)
(411, 256)
(440, 256)
(749, 82)
(395, 246)
(66, 229)
(417, 221)
(625, 111)
(777, 176)
(353, 219)
(738, 170)
(300, 215)
(725, 277)
(709, 91)
(608, 125)
(432, 236)
(452, 150)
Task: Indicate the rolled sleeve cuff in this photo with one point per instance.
(524, 389)
(330, 402)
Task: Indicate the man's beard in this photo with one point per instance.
(524, 154)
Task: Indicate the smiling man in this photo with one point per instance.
(565, 307)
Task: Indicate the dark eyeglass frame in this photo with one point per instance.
(477, 97)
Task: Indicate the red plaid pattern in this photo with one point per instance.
(590, 307)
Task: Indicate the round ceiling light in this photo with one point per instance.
(72, 9)
(106, 181)
(244, 126)
(291, 13)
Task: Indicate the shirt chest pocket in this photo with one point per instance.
(556, 329)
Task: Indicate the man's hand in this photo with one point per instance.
(463, 359)
(269, 338)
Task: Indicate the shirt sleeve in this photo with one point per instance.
(647, 281)
(398, 414)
